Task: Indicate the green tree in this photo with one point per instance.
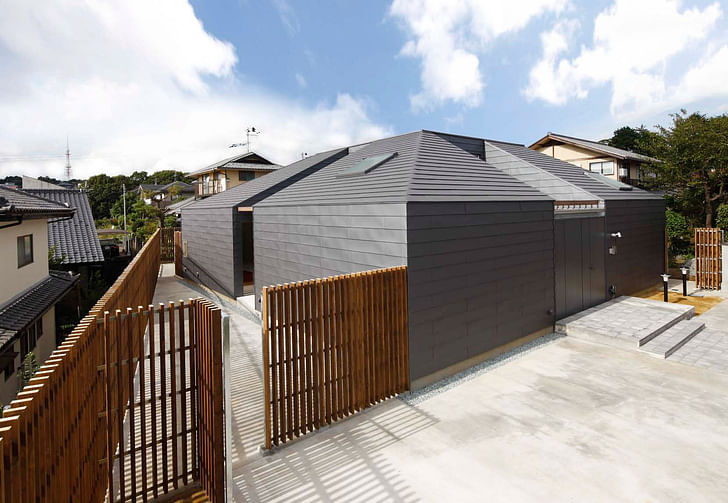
(55, 259)
(694, 171)
(632, 139)
(28, 368)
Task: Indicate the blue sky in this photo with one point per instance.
(170, 84)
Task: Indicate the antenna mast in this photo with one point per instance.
(68, 161)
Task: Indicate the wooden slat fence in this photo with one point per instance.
(332, 347)
(128, 408)
(52, 435)
(178, 270)
(166, 237)
(708, 258)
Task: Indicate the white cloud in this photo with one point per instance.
(301, 81)
(141, 85)
(635, 45)
(449, 37)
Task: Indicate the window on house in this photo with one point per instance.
(602, 167)
(7, 363)
(38, 328)
(25, 250)
(246, 176)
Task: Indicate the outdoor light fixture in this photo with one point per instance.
(665, 277)
(616, 234)
(684, 271)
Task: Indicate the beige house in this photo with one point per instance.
(230, 172)
(616, 163)
(28, 291)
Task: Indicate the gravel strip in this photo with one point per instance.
(419, 396)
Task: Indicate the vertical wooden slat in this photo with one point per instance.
(326, 348)
(280, 330)
(130, 353)
(141, 326)
(268, 370)
(164, 427)
(320, 355)
(110, 445)
(308, 351)
(289, 359)
(173, 392)
(183, 352)
(153, 395)
(294, 392)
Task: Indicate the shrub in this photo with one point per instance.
(678, 233)
(721, 219)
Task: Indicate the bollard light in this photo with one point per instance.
(665, 277)
(684, 271)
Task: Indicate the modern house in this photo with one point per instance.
(167, 194)
(499, 240)
(616, 163)
(29, 291)
(217, 232)
(230, 172)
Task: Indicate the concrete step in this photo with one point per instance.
(625, 322)
(672, 339)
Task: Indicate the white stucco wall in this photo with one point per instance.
(15, 279)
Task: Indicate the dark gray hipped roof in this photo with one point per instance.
(249, 193)
(428, 166)
(17, 314)
(572, 174)
(619, 153)
(75, 239)
(16, 203)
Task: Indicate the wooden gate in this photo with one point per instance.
(708, 258)
(164, 393)
(166, 236)
(332, 347)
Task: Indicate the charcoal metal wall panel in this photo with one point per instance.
(640, 257)
(213, 238)
(480, 275)
(294, 243)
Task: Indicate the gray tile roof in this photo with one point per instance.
(249, 193)
(429, 166)
(239, 158)
(572, 174)
(596, 146)
(24, 309)
(74, 239)
(16, 202)
(172, 208)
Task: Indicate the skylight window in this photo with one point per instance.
(367, 164)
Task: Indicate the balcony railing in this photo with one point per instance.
(209, 188)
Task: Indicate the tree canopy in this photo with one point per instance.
(632, 139)
(694, 168)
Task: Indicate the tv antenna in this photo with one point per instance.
(251, 131)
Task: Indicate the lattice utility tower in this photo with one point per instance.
(68, 161)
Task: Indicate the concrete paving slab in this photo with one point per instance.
(566, 421)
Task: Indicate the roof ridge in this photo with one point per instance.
(36, 197)
(415, 162)
(540, 168)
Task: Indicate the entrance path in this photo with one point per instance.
(246, 381)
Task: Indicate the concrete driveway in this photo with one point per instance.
(566, 420)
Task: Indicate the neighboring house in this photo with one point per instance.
(74, 240)
(29, 291)
(33, 183)
(230, 172)
(616, 163)
(165, 195)
(217, 232)
(499, 240)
